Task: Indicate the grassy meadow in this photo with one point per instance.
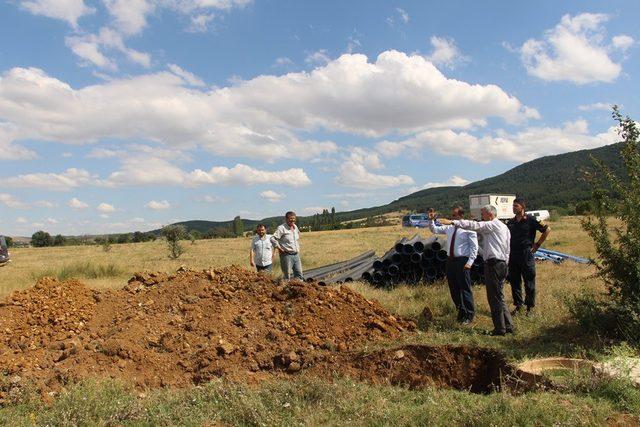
(585, 400)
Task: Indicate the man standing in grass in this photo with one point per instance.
(522, 263)
(462, 249)
(287, 240)
(262, 253)
(495, 251)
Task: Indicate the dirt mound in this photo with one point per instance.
(181, 329)
(478, 370)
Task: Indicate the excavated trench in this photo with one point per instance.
(177, 330)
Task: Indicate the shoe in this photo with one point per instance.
(530, 311)
(465, 322)
(510, 331)
(460, 317)
(516, 310)
(495, 333)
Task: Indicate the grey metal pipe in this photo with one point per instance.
(337, 266)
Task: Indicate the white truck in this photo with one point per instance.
(502, 202)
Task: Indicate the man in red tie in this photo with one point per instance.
(462, 247)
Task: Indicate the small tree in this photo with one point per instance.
(173, 234)
(194, 235)
(41, 239)
(238, 226)
(59, 240)
(618, 258)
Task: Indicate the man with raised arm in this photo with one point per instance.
(462, 248)
(495, 251)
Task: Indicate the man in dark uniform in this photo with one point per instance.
(522, 264)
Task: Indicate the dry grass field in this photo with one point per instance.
(307, 401)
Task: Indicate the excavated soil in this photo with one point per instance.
(186, 328)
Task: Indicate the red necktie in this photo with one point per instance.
(453, 241)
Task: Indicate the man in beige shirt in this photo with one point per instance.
(287, 240)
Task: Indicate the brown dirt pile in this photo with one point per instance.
(181, 329)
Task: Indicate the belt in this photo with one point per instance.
(291, 253)
(492, 261)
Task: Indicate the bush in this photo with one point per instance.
(41, 239)
(173, 234)
(618, 257)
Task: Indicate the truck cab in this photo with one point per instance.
(415, 220)
(4, 251)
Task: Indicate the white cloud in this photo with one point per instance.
(319, 57)
(106, 208)
(272, 196)
(445, 52)
(574, 50)
(354, 171)
(211, 199)
(454, 181)
(65, 181)
(77, 204)
(52, 221)
(528, 144)
(622, 42)
(257, 118)
(157, 206)
(21, 220)
(130, 16)
(45, 204)
(104, 216)
(188, 77)
(399, 16)
(65, 10)
(404, 16)
(596, 106)
(200, 23)
(91, 47)
(283, 61)
(11, 202)
(312, 210)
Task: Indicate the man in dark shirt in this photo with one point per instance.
(522, 264)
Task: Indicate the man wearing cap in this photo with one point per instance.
(462, 248)
(495, 251)
(287, 239)
(522, 263)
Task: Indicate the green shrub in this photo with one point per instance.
(173, 234)
(618, 259)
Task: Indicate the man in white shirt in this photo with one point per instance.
(462, 248)
(261, 253)
(495, 251)
(287, 240)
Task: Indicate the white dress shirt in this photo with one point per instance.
(466, 243)
(495, 237)
(262, 250)
(287, 238)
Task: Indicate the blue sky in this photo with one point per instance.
(123, 115)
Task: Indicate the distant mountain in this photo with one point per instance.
(548, 182)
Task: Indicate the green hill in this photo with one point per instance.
(548, 182)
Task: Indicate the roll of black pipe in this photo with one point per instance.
(408, 249)
(442, 255)
(398, 247)
(368, 276)
(436, 246)
(418, 246)
(428, 254)
(416, 257)
(396, 258)
(378, 276)
(377, 265)
(387, 262)
(394, 269)
(431, 273)
(425, 263)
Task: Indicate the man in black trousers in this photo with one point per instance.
(522, 263)
(462, 249)
(495, 251)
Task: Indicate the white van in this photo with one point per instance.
(541, 215)
(502, 202)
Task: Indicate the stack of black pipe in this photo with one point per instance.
(409, 261)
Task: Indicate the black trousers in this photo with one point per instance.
(459, 281)
(495, 271)
(522, 265)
